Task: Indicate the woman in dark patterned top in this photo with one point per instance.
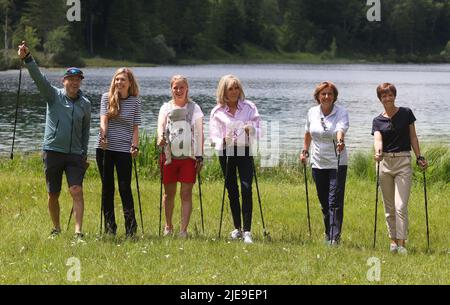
(120, 117)
(395, 134)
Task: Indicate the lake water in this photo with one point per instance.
(282, 93)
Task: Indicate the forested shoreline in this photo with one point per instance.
(173, 31)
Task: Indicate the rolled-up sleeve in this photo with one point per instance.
(216, 131)
(343, 122)
(308, 122)
(256, 123)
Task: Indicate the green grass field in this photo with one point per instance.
(291, 257)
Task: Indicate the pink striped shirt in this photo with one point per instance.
(223, 124)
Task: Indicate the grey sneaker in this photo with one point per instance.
(402, 250)
(183, 234)
(393, 248)
(236, 234)
(54, 233)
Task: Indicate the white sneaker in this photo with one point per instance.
(248, 237)
(183, 234)
(236, 234)
(402, 250)
(167, 231)
(393, 248)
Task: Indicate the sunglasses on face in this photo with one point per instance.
(322, 122)
(391, 126)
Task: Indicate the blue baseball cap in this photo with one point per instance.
(73, 71)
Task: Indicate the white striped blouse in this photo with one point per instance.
(120, 128)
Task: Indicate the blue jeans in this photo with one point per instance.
(331, 196)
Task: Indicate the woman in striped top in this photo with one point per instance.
(120, 117)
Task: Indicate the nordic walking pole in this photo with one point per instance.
(160, 190)
(201, 203)
(70, 217)
(17, 110)
(139, 194)
(307, 198)
(223, 193)
(376, 204)
(338, 155)
(103, 190)
(266, 234)
(426, 209)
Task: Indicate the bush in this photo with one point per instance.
(157, 51)
(60, 48)
(445, 54)
(3, 64)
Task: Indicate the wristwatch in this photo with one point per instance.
(419, 158)
(305, 153)
(199, 158)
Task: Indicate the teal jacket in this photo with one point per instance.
(67, 121)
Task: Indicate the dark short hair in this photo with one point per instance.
(384, 88)
(322, 86)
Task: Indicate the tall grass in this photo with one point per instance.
(291, 257)
(361, 165)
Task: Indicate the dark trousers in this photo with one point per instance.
(331, 197)
(122, 163)
(244, 165)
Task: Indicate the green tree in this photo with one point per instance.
(29, 34)
(60, 49)
(230, 26)
(5, 6)
(44, 15)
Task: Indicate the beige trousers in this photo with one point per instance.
(395, 184)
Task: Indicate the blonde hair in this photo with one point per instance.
(324, 85)
(182, 78)
(226, 82)
(114, 97)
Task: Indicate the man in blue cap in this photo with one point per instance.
(66, 138)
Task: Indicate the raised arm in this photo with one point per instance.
(43, 85)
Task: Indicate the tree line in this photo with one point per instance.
(165, 31)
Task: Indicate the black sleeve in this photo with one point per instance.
(375, 126)
(411, 117)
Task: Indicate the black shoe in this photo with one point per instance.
(54, 233)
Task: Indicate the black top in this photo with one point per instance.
(395, 131)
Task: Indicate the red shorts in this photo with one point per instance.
(179, 171)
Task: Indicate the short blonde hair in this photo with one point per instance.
(324, 85)
(182, 78)
(226, 82)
